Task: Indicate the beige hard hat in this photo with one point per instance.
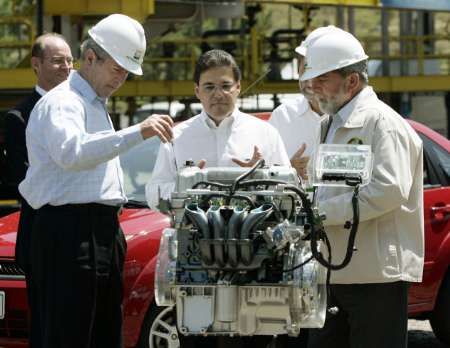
(330, 52)
(123, 38)
(314, 35)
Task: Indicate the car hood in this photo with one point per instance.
(8, 232)
(134, 223)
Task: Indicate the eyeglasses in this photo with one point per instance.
(59, 60)
(226, 88)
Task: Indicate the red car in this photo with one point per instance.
(429, 299)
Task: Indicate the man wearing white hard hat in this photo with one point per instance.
(75, 183)
(299, 122)
(371, 293)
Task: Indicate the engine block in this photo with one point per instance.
(238, 259)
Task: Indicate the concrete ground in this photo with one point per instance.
(420, 335)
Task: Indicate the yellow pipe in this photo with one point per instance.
(25, 79)
(139, 9)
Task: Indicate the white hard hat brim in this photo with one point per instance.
(129, 65)
(312, 73)
(301, 50)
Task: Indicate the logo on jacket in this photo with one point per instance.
(355, 141)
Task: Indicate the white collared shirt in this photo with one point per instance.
(297, 123)
(199, 138)
(73, 148)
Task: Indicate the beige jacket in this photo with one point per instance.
(390, 238)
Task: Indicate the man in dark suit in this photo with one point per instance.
(51, 60)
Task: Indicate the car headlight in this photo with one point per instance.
(166, 268)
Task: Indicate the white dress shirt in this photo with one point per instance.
(199, 138)
(297, 123)
(73, 148)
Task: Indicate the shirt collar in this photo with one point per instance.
(349, 108)
(40, 90)
(83, 87)
(227, 122)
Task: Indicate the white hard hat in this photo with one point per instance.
(314, 35)
(330, 52)
(123, 38)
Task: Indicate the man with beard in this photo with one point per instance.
(371, 292)
(299, 123)
(219, 136)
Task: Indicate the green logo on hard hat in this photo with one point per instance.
(137, 56)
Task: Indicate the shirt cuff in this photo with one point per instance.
(132, 135)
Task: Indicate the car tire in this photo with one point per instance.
(146, 335)
(440, 319)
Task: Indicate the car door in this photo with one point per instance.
(436, 220)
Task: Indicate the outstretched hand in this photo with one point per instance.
(257, 155)
(201, 164)
(300, 162)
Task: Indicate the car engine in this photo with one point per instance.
(238, 260)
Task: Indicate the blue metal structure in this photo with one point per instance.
(429, 5)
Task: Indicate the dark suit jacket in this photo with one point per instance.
(17, 162)
(16, 151)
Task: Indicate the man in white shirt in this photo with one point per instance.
(51, 60)
(219, 136)
(75, 183)
(371, 292)
(299, 122)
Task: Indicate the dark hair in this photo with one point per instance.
(214, 59)
(38, 48)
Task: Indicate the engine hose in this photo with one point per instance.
(314, 233)
(310, 214)
(258, 164)
(211, 183)
(297, 266)
(269, 182)
(351, 238)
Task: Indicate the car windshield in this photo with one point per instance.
(137, 165)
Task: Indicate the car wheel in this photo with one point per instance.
(159, 329)
(440, 319)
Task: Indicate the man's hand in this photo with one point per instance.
(300, 162)
(201, 164)
(257, 155)
(159, 125)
